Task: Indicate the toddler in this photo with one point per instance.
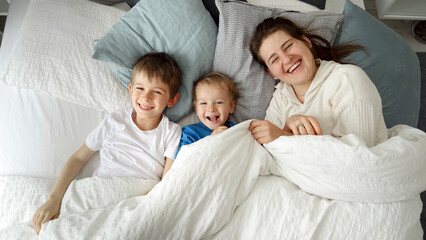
(214, 98)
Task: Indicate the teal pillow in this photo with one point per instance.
(389, 62)
(182, 28)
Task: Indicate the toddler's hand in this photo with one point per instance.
(46, 212)
(219, 130)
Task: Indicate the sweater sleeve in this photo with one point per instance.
(273, 112)
(358, 108)
(364, 119)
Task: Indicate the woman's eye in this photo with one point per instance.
(274, 60)
(288, 46)
(157, 92)
(219, 102)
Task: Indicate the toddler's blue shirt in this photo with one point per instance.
(195, 132)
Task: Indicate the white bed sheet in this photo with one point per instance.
(17, 10)
(215, 191)
(38, 131)
(333, 6)
(32, 143)
(16, 14)
(33, 124)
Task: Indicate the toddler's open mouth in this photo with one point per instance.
(213, 118)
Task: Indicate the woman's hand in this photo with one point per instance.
(264, 131)
(219, 130)
(303, 125)
(46, 212)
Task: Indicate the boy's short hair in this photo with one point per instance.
(159, 65)
(215, 78)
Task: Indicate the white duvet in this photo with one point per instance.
(221, 188)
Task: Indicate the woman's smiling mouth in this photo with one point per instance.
(295, 65)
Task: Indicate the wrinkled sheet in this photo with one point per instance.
(221, 188)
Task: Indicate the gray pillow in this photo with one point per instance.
(317, 3)
(237, 22)
(107, 2)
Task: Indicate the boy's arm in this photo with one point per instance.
(167, 165)
(50, 209)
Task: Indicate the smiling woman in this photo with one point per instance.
(317, 93)
(290, 59)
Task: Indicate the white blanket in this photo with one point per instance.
(214, 190)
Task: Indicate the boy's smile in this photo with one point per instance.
(149, 99)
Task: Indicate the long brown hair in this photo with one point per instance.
(321, 48)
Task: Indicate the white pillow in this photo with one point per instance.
(53, 53)
(291, 5)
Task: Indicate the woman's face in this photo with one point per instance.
(288, 59)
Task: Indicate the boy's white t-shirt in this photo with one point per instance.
(125, 150)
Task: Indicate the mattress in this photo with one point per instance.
(39, 121)
(32, 143)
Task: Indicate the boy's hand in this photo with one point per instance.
(46, 212)
(219, 130)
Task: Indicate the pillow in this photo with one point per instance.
(317, 3)
(389, 62)
(53, 54)
(182, 28)
(295, 5)
(132, 3)
(107, 2)
(210, 5)
(237, 23)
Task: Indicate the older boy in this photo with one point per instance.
(138, 142)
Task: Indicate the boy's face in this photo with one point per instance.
(213, 104)
(150, 98)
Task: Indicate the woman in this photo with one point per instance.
(317, 93)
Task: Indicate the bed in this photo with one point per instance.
(64, 65)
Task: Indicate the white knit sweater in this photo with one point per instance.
(341, 98)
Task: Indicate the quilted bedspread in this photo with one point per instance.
(228, 186)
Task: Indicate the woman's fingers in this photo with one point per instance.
(301, 129)
(317, 127)
(308, 129)
(305, 125)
